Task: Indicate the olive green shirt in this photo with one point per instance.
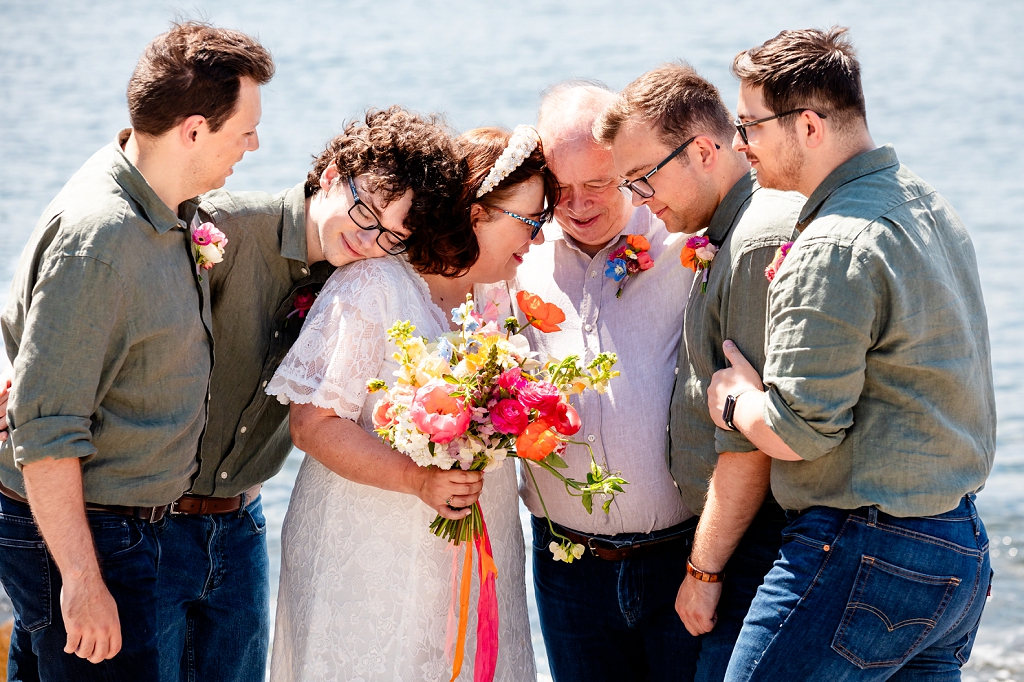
(109, 332)
(749, 226)
(255, 323)
(878, 369)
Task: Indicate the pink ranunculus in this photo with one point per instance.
(567, 421)
(541, 396)
(645, 260)
(216, 236)
(512, 380)
(437, 413)
(383, 414)
(509, 416)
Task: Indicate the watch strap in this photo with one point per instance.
(703, 576)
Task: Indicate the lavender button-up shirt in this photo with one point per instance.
(627, 425)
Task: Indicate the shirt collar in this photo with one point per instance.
(153, 209)
(725, 215)
(293, 227)
(857, 167)
(640, 222)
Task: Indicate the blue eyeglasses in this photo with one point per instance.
(535, 224)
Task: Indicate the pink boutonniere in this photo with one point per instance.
(207, 246)
(780, 256)
(697, 254)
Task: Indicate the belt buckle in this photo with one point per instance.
(172, 509)
(152, 515)
(591, 547)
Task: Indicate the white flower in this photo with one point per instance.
(212, 253)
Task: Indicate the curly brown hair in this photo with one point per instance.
(451, 252)
(399, 150)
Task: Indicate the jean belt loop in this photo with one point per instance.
(872, 516)
(245, 503)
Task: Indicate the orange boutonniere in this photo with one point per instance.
(544, 316)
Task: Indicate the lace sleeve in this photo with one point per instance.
(343, 343)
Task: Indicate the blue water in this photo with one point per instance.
(944, 83)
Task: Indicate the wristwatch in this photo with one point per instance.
(704, 576)
(730, 408)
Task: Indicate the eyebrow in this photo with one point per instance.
(636, 169)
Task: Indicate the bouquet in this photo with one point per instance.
(474, 397)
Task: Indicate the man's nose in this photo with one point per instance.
(254, 142)
(737, 142)
(576, 201)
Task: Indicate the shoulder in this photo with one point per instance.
(242, 207)
(371, 278)
(768, 219)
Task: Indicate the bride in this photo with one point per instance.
(365, 586)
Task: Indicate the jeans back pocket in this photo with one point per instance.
(25, 573)
(890, 611)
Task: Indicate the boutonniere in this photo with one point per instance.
(780, 255)
(303, 300)
(626, 261)
(697, 254)
(207, 246)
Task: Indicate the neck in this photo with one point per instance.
(734, 167)
(815, 173)
(448, 292)
(162, 170)
(314, 249)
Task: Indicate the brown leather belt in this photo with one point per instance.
(612, 551)
(147, 514)
(197, 505)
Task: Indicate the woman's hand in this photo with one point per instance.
(451, 492)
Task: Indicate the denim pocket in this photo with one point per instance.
(255, 515)
(25, 570)
(890, 610)
(114, 537)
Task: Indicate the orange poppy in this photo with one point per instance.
(638, 242)
(538, 440)
(543, 316)
(688, 257)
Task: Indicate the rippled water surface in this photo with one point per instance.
(944, 83)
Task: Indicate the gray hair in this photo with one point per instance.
(568, 109)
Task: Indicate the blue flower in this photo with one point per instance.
(616, 269)
(445, 349)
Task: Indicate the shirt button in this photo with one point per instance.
(677, 372)
(304, 271)
(591, 438)
(277, 334)
(666, 428)
(264, 384)
(589, 327)
(243, 429)
(593, 273)
(223, 474)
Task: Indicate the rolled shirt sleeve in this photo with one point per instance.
(74, 340)
(820, 326)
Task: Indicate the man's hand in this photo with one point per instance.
(731, 381)
(90, 618)
(696, 602)
(6, 379)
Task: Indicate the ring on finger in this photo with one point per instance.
(449, 500)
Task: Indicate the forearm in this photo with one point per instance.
(346, 449)
(736, 492)
(749, 419)
(54, 489)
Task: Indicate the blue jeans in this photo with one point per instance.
(214, 596)
(744, 574)
(128, 553)
(613, 620)
(863, 595)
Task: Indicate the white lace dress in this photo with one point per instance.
(365, 587)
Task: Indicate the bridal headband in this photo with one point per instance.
(522, 143)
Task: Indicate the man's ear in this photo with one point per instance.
(708, 150)
(190, 129)
(811, 128)
(329, 177)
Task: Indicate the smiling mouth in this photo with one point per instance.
(348, 247)
(583, 224)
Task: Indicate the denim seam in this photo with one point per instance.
(914, 535)
(803, 597)
(970, 602)
(848, 615)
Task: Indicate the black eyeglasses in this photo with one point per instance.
(365, 219)
(741, 127)
(642, 186)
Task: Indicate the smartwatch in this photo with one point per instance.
(730, 408)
